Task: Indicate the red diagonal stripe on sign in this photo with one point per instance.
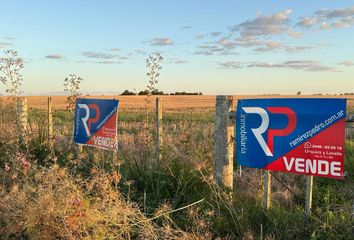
(324, 151)
(105, 137)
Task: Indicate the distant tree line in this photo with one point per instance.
(157, 92)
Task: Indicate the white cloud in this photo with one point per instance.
(108, 62)
(270, 46)
(295, 49)
(161, 41)
(265, 25)
(214, 49)
(230, 65)
(140, 52)
(115, 49)
(259, 45)
(227, 43)
(54, 56)
(200, 36)
(307, 22)
(176, 61)
(215, 34)
(304, 65)
(186, 27)
(329, 19)
(100, 55)
(294, 34)
(347, 63)
(5, 44)
(337, 13)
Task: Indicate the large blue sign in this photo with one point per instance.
(304, 136)
(96, 123)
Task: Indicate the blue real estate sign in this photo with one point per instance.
(303, 136)
(96, 123)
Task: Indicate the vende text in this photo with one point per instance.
(104, 141)
(313, 166)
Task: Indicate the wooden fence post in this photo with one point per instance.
(1, 110)
(50, 123)
(159, 140)
(308, 201)
(267, 190)
(159, 129)
(224, 141)
(22, 119)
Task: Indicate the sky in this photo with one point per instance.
(216, 47)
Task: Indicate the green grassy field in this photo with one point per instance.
(131, 196)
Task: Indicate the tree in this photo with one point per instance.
(127, 93)
(145, 92)
(157, 92)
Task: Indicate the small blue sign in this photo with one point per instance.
(96, 123)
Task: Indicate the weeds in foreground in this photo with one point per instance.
(103, 184)
(52, 204)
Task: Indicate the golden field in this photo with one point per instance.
(169, 102)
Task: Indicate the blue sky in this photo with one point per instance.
(217, 47)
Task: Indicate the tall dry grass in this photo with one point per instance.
(51, 204)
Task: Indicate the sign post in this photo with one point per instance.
(96, 123)
(267, 190)
(308, 200)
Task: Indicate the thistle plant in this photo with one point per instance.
(71, 88)
(10, 66)
(153, 64)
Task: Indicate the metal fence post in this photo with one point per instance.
(308, 201)
(224, 141)
(267, 190)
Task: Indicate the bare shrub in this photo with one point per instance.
(153, 64)
(10, 66)
(72, 89)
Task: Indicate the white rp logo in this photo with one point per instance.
(86, 118)
(268, 147)
(262, 128)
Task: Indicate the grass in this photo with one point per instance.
(170, 103)
(119, 194)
